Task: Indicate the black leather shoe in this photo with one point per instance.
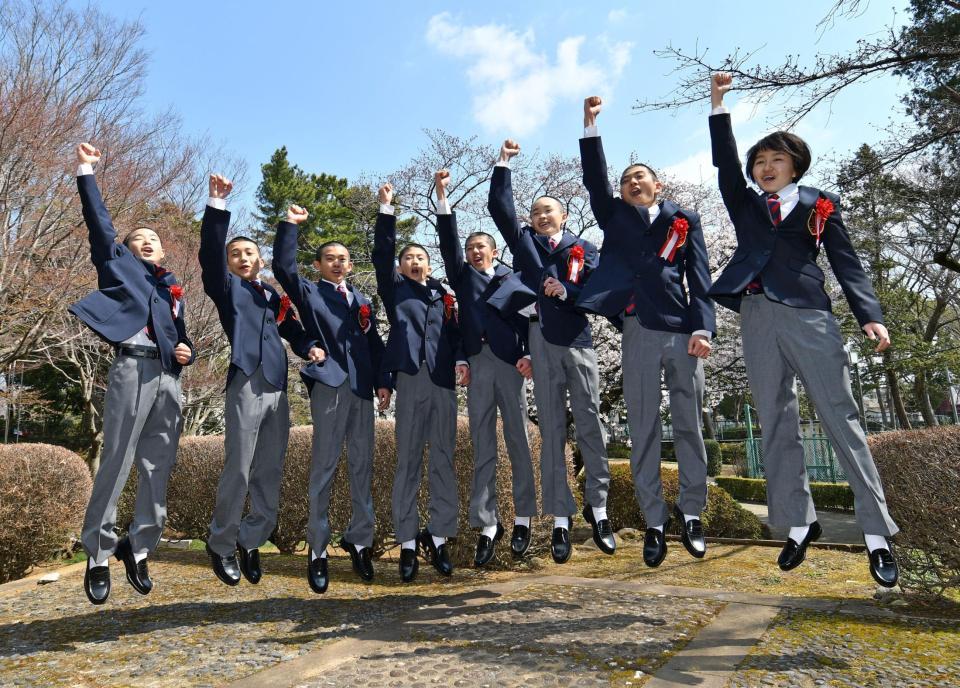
(438, 556)
(602, 531)
(793, 553)
(249, 560)
(137, 574)
(408, 565)
(560, 548)
(487, 546)
(317, 572)
(226, 568)
(520, 540)
(362, 565)
(655, 546)
(96, 583)
(691, 534)
(883, 567)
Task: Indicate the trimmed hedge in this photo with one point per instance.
(735, 454)
(616, 450)
(192, 490)
(44, 490)
(714, 457)
(825, 495)
(667, 451)
(920, 470)
(722, 516)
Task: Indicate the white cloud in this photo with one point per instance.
(616, 16)
(516, 87)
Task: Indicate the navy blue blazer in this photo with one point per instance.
(130, 293)
(249, 320)
(331, 324)
(630, 266)
(561, 322)
(784, 257)
(419, 327)
(480, 323)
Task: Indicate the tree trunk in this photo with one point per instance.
(709, 432)
(884, 417)
(896, 399)
(922, 393)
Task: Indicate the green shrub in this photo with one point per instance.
(739, 433)
(667, 451)
(44, 490)
(920, 470)
(617, 450)
(734, 453)
(825, 495)
(722, 516)
(714, 457)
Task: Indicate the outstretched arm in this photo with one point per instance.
(500, 201)
(213, 234)
(450, 249)
(103, 237)
(285, 256)
(385, 250)
(594, 163)
(733, 185)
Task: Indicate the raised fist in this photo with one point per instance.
(87, 154)
(441, 179)
(296, 214)
(720, 83)
(591, 108)
(385, 194)
(220, 186)
(509, 149)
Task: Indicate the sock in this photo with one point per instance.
(875, 542)
(437, 541)
(660, 527)
(599, 513)
(314, 556)
(797, 533)
(360, 548)
(139, 556)
(91, 562)
(489, 531)
(409, 544)
(687, 518)
(561, 522)
(522, 521)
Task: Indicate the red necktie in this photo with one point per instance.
(552, 242)
(343, 291)
(773, 203)
(259, 288)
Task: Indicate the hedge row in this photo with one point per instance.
(825, 495)
(668, 452)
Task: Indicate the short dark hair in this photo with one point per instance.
(784, 142)
(327, 244)
(563, 206)
(126, 239)
(639, 164)
(413, 245)
(242, 238)
(488, 237)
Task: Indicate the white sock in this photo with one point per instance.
(687, 518)
(437, 541)
(409, 544)
(797, 533)
(314, 556)
(91, 562)
(875, 542)
(599, 513)
(139, 556)
(489, 531)
(660, 528)
(360, 548)
(522, 521)
(561, 522)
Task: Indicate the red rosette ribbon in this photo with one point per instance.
(676, 237)
(363, 316)
(817, 222)
(575, 264)
(176, 294)
(449, 303)
(284, 309)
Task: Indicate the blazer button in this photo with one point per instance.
(265, 337)
(156, 300)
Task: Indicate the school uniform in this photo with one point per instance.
(561, 347)
(422, 351)
(256, 411)
(341, 389)
(493, 345)
(135, 310)
(647, 253)
(788, 330)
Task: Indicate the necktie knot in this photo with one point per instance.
(552, 242)
(773, 204)
(259, 287)
(342, 288)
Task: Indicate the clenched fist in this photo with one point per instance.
(591, 108)
(87, 154)
(720, 83)
(296, 214)
(441, 179)
(385, 194)
(220, 186)
(509, 149)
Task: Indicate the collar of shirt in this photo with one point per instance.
(266, 292)
(654, 212)
(789, 196)
(336, 286)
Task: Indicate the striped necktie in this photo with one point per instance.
(773, 204)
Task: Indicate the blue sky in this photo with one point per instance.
(348, 87)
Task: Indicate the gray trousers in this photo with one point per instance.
(496, 384)
(257, 427)
(645, 352)
(340, 416)
(425, 413)
(557, 370)
(141, 423)
(779, 344)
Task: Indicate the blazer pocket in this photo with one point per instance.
(807, 268)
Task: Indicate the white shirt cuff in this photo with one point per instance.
(463, 363)
(84, 169)
(527, 356)
(591, 131)
(702, 333)
(443, 206)
(503, 163)
(719, 110)
(563, 296)
(218, 203)
(386, 208)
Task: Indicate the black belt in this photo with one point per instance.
(138, 351)
(534, 318)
